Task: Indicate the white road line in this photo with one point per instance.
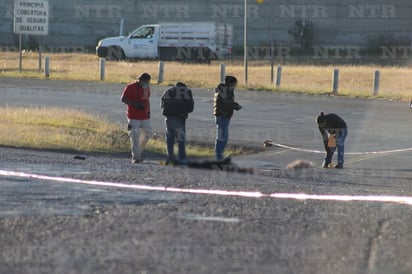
(210, 219)
(348, 153)
(346, 198)
(244, 194)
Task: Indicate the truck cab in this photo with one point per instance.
(141, 43)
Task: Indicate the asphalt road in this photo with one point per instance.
(284, 118)
(57, 227)
(374, 125)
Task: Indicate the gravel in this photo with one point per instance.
(49, 227)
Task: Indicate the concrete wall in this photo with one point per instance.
(81, 23)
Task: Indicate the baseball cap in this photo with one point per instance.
(180, 84)
(230, 80)
(144, 77)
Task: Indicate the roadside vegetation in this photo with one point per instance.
(74, 130)
(355, 80)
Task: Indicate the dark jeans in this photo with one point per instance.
(340, 146)
(222, 136)
(176, 132)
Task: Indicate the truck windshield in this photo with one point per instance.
(143, 33)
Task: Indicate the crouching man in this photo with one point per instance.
(136, 96)
(176, 103)
(334, 131)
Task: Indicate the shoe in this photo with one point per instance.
(171, 161)
(339, 166)
(137, 161)
(325, 165)
(183, 162)
(226, 161)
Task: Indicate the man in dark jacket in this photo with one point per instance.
(333, 126)
(225, 105)
(177, 102)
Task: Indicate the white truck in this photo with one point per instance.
(182, 41)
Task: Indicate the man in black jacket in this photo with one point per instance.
(224, 106)
(334, 125)
(176, 103)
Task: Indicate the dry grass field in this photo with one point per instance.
(396, 82)
(55, 128)
(73, 130)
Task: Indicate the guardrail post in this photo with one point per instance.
(222, 73)
(102, 69)
(121, 28)
(47, 66)
(376, 82)
(40, 59)
(279, 76)
(161, 72)
(335, 83)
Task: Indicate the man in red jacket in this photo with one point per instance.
(136, 97)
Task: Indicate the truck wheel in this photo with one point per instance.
(102, 52)
(207, 56)
(115, 53)
(167, 54)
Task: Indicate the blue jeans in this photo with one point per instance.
(176, 132)
(340, 146)
(222, 136)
